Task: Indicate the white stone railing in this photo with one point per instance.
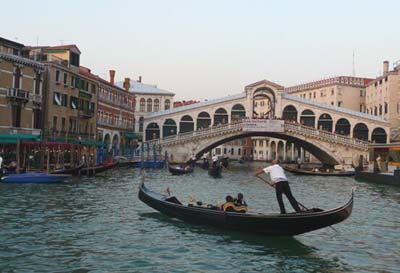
(292, 128)
(324, 135)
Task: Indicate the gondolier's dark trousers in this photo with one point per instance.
(283, 187)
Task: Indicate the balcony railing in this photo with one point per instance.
(17, 93)
(118, 124)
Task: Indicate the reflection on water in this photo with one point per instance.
(98, 225)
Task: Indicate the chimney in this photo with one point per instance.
(385, 67)
(140, 79)
(127, 84)
(112, 75)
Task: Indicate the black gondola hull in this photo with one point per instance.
(90, 171)
(272, 224)
(71, 171)
(180, 171)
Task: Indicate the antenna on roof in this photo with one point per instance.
(354, 66)
(37, 40)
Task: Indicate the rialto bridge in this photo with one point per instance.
(332, 134)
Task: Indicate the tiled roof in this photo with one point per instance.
(343, 80)
(141, 88)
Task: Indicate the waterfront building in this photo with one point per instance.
(70, 101)
(116, 117)
(148, 99)
(383, 98)
(21, 85)
(342, 91)
(232, 149)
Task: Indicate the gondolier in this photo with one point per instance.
(281, 185)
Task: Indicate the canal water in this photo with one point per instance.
(99, 225)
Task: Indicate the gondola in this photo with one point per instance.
(225, 162)
(267, 224)
(90, 171)
(318, 173)
(205, 165)
(70, 171)
(178, 170)
(215, 171)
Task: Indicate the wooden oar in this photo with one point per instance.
(304, 207)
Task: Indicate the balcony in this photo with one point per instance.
(115, 124)
(18, 94)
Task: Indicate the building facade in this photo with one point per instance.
(116, 117)
(342, 91)
(383, 98)
(21, 85)
(21, 108)
(70, 106)
(148, 99)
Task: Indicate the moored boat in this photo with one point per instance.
(34, 178)
(215, 171)
(383, 166)
(90, 171)
(268, 224)
(318, 172)
(178, 170)
(71, 171)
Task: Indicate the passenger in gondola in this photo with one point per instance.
(239, 200)
(229, 204)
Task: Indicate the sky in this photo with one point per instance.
(211, 48)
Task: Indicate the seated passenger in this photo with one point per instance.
(228, 205)
(239, 201)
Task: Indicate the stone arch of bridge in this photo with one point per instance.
(319, 151)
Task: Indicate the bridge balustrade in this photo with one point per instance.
(238, 126)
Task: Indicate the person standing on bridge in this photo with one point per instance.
(281, 185)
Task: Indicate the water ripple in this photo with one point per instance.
(99, 225)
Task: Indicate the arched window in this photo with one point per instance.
(342, 127)
(238, 112)
(289, 113)
(152, 131)
(186, 124)
(149, 105)
(379, 135)
(167, 104)
(360, 131)
(307, 118)
(142, 105)
(156, 105)
(141, 120)
(220, 116)
(203, 120)
(169, 128)
(325, 122)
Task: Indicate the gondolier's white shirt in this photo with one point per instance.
(276, 173)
